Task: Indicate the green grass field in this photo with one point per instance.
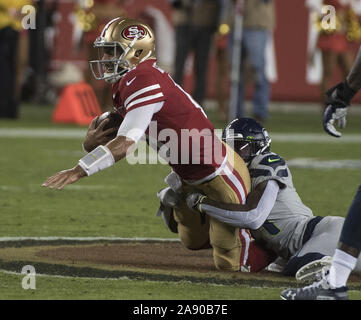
(121, 201)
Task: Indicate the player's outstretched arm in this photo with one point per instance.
(130, 131)
(64, 177)
(99, 159)
(250, 215)
(119, 147)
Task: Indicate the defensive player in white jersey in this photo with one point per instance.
(152, 104)
(274, 212)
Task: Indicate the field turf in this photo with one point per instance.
(121, 201)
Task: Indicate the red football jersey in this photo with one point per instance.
(181, 125)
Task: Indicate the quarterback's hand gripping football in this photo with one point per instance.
(97, 135)
(64, 177)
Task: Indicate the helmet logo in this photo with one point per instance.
(134, 31)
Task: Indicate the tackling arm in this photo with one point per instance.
(250, 215)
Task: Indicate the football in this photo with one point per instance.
(115, 121)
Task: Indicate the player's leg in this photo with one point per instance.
(329, 61)
(333, 283)
(183, 34)
(310, 259)
(256, 41)
(225, 239)
(348, 250)
(201, 57)
(241, 112)
(232, 247)
(193, 229)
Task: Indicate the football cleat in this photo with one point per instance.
(313, 271)
(320, 290)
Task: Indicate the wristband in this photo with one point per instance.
(98, 159)
(199, 204)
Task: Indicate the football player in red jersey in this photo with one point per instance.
(147, 97)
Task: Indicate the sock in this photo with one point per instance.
(341, 267)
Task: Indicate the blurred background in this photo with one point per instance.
(236, 57)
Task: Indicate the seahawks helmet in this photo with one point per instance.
(122, 44)
(247, 137)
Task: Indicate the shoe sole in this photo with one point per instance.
(307, 274)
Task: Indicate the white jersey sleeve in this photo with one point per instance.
(136, 121)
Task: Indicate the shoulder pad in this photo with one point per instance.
(272, 160)
(268, 166)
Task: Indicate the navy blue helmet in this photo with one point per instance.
(247, 137)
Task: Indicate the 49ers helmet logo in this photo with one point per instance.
(133, 31)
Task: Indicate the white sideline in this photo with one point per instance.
(5, 239)
(64, 277)
(80, 134)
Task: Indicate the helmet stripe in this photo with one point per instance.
(108, 25)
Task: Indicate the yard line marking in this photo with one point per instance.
(80, 239)
(22, 188)
(132, 279)
(315, 137)
(49, 133)
(42, 133)
(65, 277)
(314, 163)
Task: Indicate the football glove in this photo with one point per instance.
(194, 201)
(168, 197)
(331, 115)
(338, 99)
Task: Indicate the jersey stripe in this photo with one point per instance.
(245, 241)
(235, 184)
(238, 176)
(139, 92)
(233, 187)
(147, 98)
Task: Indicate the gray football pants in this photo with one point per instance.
(324, 238)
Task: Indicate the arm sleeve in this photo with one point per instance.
(252, 219)
(136, 121)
